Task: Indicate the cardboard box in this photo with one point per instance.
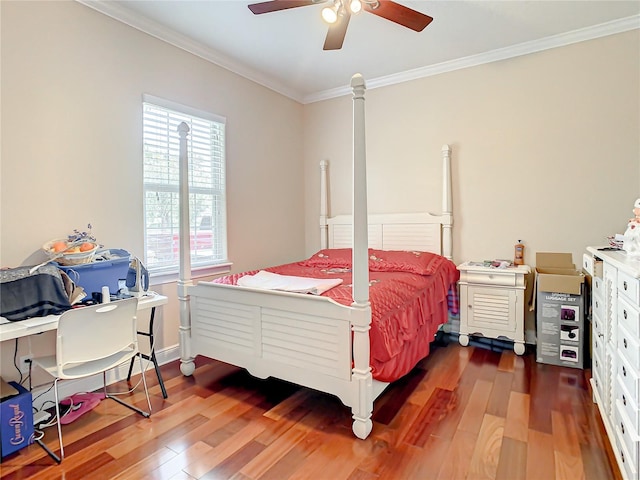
(16, 420)
(560, 311)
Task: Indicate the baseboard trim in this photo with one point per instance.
(43, 397)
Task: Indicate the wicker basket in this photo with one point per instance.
(67, 258)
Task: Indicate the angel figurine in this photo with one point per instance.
(631, 243)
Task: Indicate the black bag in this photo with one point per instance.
(24, 295)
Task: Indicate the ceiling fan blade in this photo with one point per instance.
(277, 5)
(400, 14)
(336, 33)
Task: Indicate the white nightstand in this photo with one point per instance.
(492, 303)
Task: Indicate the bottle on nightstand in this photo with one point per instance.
(518, 258)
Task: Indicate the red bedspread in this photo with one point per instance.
(407, 308)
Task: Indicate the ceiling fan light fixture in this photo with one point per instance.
(372, 4)
(330, 14)
(355, 6)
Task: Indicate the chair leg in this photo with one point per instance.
(55, 392)
(130, 369)
(123, 403)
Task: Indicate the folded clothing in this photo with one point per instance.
(288, 283)
(24, 295)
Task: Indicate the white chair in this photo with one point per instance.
(92, 340)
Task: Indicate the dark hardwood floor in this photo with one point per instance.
(462, 413)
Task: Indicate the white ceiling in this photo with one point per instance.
(283, 50)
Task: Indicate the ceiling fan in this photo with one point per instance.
(338, 12)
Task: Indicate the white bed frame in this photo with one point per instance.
(305, 339)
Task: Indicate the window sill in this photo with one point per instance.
(196, 273)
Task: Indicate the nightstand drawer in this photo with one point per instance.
(494, 277)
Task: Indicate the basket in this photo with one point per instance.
(68, 258)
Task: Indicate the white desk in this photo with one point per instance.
(33, 326)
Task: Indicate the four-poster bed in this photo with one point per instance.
(313, 340)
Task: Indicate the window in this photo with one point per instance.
(207, 195)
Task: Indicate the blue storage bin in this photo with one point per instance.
(101, 272)
(16, 421)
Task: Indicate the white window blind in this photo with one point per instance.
(207, 195)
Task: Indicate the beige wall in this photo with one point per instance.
(545, 149)
(72, 85)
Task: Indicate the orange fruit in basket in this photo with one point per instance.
(87, 246)
(59, 246)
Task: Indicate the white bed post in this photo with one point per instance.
(447, 210)
(187, 365)
(362, 408)
(324, 207)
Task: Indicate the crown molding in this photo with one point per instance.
(156, 30)
(576, 36)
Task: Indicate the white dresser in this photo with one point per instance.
(615, 337)
(492, 303)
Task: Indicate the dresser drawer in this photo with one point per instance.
(597, 287)
(597, 327)
(597, 378)
(598, 345)
(629, 287)
(628, 376)
(627, 404)
(626, 433)
(599, 309)
(629, 317)
(592, 265)
(597, 363)
(628, 347)
(629, 470)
